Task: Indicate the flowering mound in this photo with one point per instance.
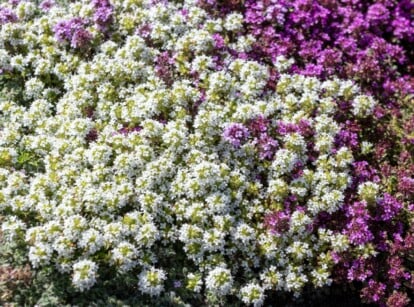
(138, 139)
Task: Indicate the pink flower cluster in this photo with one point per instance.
(73, 31)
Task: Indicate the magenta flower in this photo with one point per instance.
(398, 299)
(47, 5)
(218, 41)
(388, 207)
(277, 222)
(267, 146)
(235, 134)
(357, 228)
(374, 291)
(360, 270)
(80, 38)
(7, 15)
(73, 31)
(103, 13)
(378, 14)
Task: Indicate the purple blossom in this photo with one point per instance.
(388, 207)
(100, 3)
(396, 272)
(47, 5)
(278, 222)
(65, 29)
(218, 41)
(358, 231)
(286, 128)
(398, 299)
(403, 28)
(73, 31)
(7, 15)
(374, 291)
(377, 14)
(346, 138)
(360, 270)
(305, 128)
(103, 13)
(164, 67)
(406, 185)
(357, 228)
(80, 38)
(235, 134)
(364, 172)
(144, 31)
(127, 130)
(267, 146)
(259, 125)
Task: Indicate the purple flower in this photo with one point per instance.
(103, 13)
(73, 31)
(235, 134)
(127, 130)
(377, 14)
(388, 207)
(374, 291)
(364, 172)
(267, 146)
(406, 185)
(47, 5)
(396, 272)
(360, 270)
(259, 125)
(346, 138)
(357, 228)
(358, 231)
(100, 3)
(164, 67)
(286, 128)
(398, 299)
(80, 38)
(277, 222)
(65, 29)
(218, 41)
(403, 28)
(7, 15)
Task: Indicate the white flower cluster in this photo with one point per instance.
(118, 156)
(84, 274)
(151, 281)
(219, 281)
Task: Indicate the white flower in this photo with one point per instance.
(91, 240)
(233, 22)
(368, 191)
(219, 281)
(84, 274)
(152, 281)
(244, 233)
(363, 105)
(40, 254)
(252, 294)
(194, 282)
(124, 256)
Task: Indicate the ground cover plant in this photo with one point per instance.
(222, 153)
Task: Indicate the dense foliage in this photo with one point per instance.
(205, 152)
